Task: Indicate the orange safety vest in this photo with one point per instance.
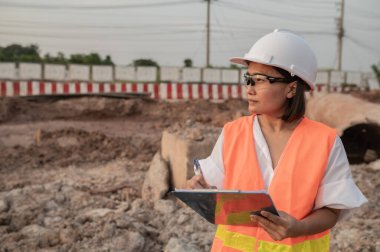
(293, 188)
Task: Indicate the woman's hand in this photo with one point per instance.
(198, 182)
(284, 226)
(278, 227)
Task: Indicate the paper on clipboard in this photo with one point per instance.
(227, 207)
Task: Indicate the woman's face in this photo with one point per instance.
(268, 98)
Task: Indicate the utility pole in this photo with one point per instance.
(340, 37)
(208, 34)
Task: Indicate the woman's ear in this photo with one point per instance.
(292, 90)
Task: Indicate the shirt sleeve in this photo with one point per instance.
(338, 189)
(212, 166)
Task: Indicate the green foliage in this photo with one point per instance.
(144, 62)
(30, 53)
(107, 60)
(234, 66)
(90, 59)
(188, 63)
(376, 70)
(18, 53)
(59, 59)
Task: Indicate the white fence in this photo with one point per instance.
(75, 72)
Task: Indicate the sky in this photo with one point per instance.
(169, 31)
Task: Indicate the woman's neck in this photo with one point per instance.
(276, 124)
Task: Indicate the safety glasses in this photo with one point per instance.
(259, 78)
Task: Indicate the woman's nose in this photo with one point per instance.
(250, 90)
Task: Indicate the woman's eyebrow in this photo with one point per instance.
(255, 73)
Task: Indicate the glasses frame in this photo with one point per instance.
(250, 82)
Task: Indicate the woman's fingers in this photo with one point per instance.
(273, 218)
(202, 181)
(197, 182)
(268, 226)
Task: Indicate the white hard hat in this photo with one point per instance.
(286, 50)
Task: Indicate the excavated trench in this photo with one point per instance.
(357, 122)
(362, 142)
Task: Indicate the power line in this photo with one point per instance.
(271, 13)
(96, 7)
(361, 44)
(70, 26)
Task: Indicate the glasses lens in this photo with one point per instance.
(258, 78)
(248, 80)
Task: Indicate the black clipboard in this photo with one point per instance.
(227, 207)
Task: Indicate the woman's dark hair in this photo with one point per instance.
(296, 106)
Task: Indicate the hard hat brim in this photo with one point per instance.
(239, 60)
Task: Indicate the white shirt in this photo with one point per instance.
(337, 189)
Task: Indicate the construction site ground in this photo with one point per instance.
(71, 172)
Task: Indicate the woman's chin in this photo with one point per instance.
(252, 110)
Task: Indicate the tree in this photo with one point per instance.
(93, 58)
(30, 53)
(59, 59)
(376, 70)
(90, 59)
(107, 60)
(188, 63)
(18, 53)
(144, 62)
(234, 66)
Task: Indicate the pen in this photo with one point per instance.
(197, 168)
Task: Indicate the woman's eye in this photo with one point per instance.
(259, 80)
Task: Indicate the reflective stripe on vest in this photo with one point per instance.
(293, 188)
(237, 242)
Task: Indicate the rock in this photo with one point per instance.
(51, 206)
(156, 183)
(93, 215)
(196, 135)
(49, 221)
(189, 123)
(131, 107)
(39, 234)
(347, 236)
(124, 222)
(139, 208)
(183, 218)
(375, 165)
(66, 236)
(123, 207)
(67, 141)
(164, 206)
(60, 198)
(135, 242)
(179, 149)
(179, 245)
(17, 223)
(4, 206)
(53, 238)
(370, 155)
(109, 230)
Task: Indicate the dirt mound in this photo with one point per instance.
(372, 95)
(92, 108)
(75, 146)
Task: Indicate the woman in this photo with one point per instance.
(301, 163)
